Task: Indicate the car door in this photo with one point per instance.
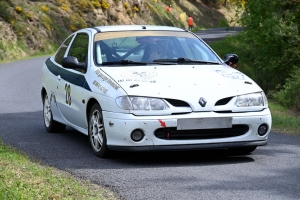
(72, 83)
(52, 78)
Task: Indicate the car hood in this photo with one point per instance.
(188, 83)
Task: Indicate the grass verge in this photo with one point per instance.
(284, 120)
(22, 178)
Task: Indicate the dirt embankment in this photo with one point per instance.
(31, 26)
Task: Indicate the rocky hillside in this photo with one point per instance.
(29, 27)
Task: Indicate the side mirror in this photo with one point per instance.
(231, 60)
(71, 62)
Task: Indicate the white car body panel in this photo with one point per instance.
(119, 133)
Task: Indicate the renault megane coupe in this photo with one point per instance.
(151, 88)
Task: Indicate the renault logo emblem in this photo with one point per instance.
(202, 102)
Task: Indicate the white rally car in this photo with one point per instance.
(146, 88)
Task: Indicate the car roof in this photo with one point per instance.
(136, 28)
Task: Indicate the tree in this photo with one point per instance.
(271, 30)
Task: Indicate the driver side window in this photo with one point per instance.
(79, 48)
(62, 50)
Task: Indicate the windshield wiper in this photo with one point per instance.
(124, 62)
(185, 61)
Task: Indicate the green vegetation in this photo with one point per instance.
(272, 34)
(24, 179)
(269, 48)
(284, 119)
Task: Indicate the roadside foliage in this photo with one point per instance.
(271, 30)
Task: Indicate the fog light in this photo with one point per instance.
(137, 135)
(262, 129)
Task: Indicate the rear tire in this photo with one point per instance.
(97, 132)
(51, 125)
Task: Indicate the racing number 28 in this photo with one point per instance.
(68, 94)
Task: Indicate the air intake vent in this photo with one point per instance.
(177, 103)
(223, 102)
(172, 133)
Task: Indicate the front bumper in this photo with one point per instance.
(188, 146)
(118, 127)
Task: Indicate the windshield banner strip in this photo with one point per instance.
(122, 34)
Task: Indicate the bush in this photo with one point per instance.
(105, 5)
(271, 30)
(289, 95)
(19, 9)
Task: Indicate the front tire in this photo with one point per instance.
(97, 132)
(51, 125)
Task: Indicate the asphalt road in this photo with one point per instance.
(213, 34)
(271, 172)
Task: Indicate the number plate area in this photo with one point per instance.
(204, 123)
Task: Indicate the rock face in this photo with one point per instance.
(30, 26)
(123, 12)
(8, 41)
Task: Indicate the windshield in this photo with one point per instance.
(149, 47)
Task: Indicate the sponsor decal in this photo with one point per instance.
(53, 99)
(106, 79)
(231, 74)
(52, 96)
(100, 87)
(138, 76)
(68, 94)
(162, 123)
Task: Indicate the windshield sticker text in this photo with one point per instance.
(100, 87)
(106, 79)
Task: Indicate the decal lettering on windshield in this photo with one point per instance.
(106, 79)
(100, 87)
(138, 76)
(231, 74)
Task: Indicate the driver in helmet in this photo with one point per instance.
(156, 52)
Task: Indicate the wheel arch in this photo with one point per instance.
(43, 94)
(89, 105)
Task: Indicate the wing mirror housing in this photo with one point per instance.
(231, 60)
(71, 62)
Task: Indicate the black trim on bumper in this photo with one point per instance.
(187, 146)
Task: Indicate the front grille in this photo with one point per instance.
(223, 111)
(172, 133)
(224, 101)
(177, 103)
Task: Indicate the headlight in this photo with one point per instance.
(253, 99)
(141, 103)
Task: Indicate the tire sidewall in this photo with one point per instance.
(48, 128)
(103, 151)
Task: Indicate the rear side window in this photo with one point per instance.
(62, 50)
(79, 48)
